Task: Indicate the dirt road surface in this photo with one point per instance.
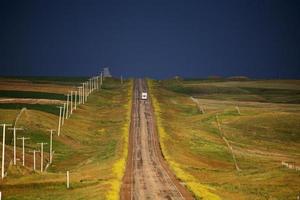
(147, 175)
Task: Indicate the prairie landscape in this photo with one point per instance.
(218, 139)
(227, 139)
(92, 144)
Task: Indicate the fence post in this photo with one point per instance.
(68, 180)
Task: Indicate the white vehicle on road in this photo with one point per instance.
(144, 96)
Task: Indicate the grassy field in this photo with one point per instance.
(39, 85)
(92, 146)
(29, 94)
(47, 79)
(53, 109)
(264, 133)
(279, 91)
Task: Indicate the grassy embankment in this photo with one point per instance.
(93, 146)
(265, 133)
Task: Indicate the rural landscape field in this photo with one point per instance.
(92, 144)
(259, 120)
(150, 100)
(220, 138)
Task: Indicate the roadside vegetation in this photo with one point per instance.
(92, 146)
(260, 121)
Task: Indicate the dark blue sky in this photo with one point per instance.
(155, 38)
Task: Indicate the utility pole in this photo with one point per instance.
(79, 95)
(71, 105)
(75, 100)
(101, 79)
(59, 120)
(121, 79)
(83, 90)
(34, 160)
(64, 113)
(23, 146)
(3, 148)
(100, 83)
(67, 108)
(86, 90)
(93, 81)
(51, 140)
(42, 155)
(90, 86)
(68, 179)
(83, 93)
(15, 142)
(97, 82)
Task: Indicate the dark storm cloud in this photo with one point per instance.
(151, 38)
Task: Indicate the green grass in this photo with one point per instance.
(41, 107)
(199, 146)
(29, 94)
